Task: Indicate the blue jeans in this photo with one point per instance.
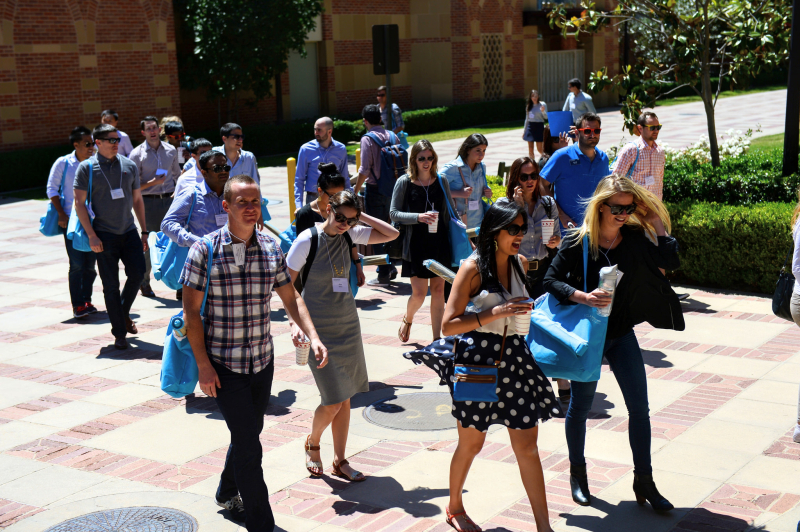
(243, 399)
(377, 205)
(128, 249)
(81, 273)
(625, 358)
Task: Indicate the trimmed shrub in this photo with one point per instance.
(29, 168)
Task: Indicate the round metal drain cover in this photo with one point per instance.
(136, 519)
(413, 411)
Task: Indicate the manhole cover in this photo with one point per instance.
(413, 411)
(136, 519)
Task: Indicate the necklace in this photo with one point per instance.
(605, 254)
(337, 272)
(242, 240)
(427, 198)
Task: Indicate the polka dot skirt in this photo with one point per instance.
(524, 393)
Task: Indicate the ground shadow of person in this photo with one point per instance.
(656, 359)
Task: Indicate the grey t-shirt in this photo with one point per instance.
(111, 215)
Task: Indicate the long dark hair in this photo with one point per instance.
(473, 141)
(498, 217)
(513, 177)
(529, 103)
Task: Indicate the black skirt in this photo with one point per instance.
(534, 132)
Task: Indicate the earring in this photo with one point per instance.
(495, 245)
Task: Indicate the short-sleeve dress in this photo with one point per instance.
(525, 395)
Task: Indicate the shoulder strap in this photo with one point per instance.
(91, 168)
(312, 254)
(447, 200)
(392, 138)
(462, 176)
(585, 259)
(191, 209)
(505, 329)
(208, 274)
(372, 136)
(63, 177)
(348, 239)
(522, 276)
(630, 170)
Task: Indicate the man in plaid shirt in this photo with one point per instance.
(232, 342)
(648, 170)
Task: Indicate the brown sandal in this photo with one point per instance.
(358, 476)
(315, 468)
(404, 332)
(450, 521)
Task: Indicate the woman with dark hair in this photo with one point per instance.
(333, 311)
(466, 175)
(551, 145)
(419, 203)
(535, 115)
(492, 279)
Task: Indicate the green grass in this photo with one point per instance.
(724, 94)
(767, 143)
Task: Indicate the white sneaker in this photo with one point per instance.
(796, 435)
(378, 282)
(235, 507)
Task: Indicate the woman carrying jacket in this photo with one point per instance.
(617, 217)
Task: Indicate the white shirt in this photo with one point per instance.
(189, 179)
(298, 254)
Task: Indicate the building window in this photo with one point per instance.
(492, 64)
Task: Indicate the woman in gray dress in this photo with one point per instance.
(327, 295)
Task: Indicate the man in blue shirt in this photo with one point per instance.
(575, 171)
(323, 149)
(241, 161)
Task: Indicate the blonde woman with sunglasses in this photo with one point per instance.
(616, 219)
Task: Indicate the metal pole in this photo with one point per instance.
(792, 125)
(390, 125)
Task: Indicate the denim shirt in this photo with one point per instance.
(204, 216)
(475, 179)
(532, 246)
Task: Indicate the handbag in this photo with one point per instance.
(288, 236)
(783, 292)
(75, 230)
(264, 211)
(179, 373)
(48, 224)
(459, 242)
(567, 341)
(167, 257)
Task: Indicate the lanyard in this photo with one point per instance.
(100, 166)
(330, 262)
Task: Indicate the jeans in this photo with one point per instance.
(377, 205)
(128, 249)
(155, 209)
(625, 358)
(81, 273)
(243, 399)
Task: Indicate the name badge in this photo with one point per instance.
(340, 284)
(117, 193)
(161, 171)
(649, 181)
(238, 254)
(222, 219)
(474, 205)
(574, 162)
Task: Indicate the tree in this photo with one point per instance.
(241, 45)
(734, 39)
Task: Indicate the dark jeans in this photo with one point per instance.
(377, 205)
(128, 249)
(625, 358)
(243, 400)
(81, 273)
(155, 209)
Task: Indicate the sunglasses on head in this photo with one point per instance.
(221, 168)
(515, 229)
(423, 159)
(616, 210)
(341, 218)
(111, 140)
(525, 177)
(236, 137)
(589, 130)
(654, 128)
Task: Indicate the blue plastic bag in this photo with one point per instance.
(287, 237)
(75, 231)
(167, 257)
(48, 224)
(264, 210)
(460, 247)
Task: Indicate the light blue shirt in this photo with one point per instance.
(125, 146)
(55, 181)
(204, 216)
(396, 120)
(475, 179)
(579, 105)
(189, 164)
(246, 164)
(308, 159)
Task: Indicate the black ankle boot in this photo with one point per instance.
(645, 489)
(579, 485)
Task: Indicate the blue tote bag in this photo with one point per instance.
(75, 231)
(567, 341)
(459, 242)
(48, 224)
(179, 372)
(287, 237)
(167, 257)
(264, 211)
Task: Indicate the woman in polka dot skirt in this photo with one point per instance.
(492, 279)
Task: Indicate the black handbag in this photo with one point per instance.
(783, 293)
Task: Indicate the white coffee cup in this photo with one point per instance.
(433, 227)
(301, 353)
(522, 323)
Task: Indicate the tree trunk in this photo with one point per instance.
(708, 95)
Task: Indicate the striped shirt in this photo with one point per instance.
(649, 169)
(236, 321)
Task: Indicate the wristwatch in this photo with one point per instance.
(357, 261)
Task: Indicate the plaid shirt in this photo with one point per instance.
(650, 164)
(236, 321)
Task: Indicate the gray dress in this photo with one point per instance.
(336, 320)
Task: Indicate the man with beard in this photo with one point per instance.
(643, 160)
(323, 149)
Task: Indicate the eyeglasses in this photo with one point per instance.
(382, 95)
(88, 144)
(654, 128)
(177, 136)
(616, 210)
(112, 140)
(236, 137)
(589, 131)
(524, 177)
(221, 168)
(423, 159)
(515, 229)
(341, 218)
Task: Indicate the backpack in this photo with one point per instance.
(312, 253)
(394, 161)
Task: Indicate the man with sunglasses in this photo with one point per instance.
(191, 175)
(110, 117)
(575, 171)
(323, 149)
(396, 123)
(643, 160)
(112, 234)
(175, 136)
(157, 162)
(240, 160)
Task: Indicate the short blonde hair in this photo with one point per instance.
(419, 147)
(608, 187)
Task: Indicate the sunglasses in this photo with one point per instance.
(616, 210)
(589, 131)
(515, 229)
(88, 144)
(654, 128)
(524, 177)
(178, 136)
(341, 218)
(111, 140)
(383, 95)
(236, 137)
(221, 168)
(423, 159)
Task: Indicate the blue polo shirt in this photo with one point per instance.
(574, 178)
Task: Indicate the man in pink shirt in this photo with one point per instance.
(643, 160)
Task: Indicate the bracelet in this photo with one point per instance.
(145, 232)
(477, 317)
(357, 261)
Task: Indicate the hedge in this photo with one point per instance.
(28, 168)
